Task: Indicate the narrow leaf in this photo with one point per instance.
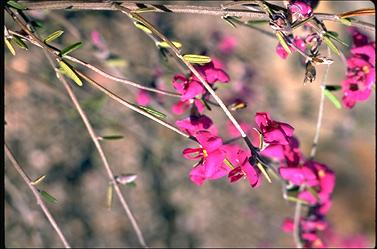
(333, 99)
(20, 43)
(53, 36)
(143, 10)
(113, 137)
(294, 199)
(164, 44)
(69, 72)
(261, 168)
(71, 48)
(197, 59)
(142, 27)
(331, 45)
(333, 87)
(345, 21)
(47, 196)
(109, 196)
(152, 111)
(334, 36)
(38, 180)
(9, 46)
(283, 42)
(114, 61)
(16, 5)
(229, 21)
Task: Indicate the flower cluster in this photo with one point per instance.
(361, 73)
(192, 90)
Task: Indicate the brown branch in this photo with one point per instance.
(36, 194)
(179, 9)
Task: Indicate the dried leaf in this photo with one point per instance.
(237, 105)
(310, 73)
(322, 60)
(333, 87)
(126, 178)
(47, 196)
(38, 180)
(109, 196)
(197, 59)
(53, 36)
(112, 137)
(360, 12)
(9, 46)
(70, 72)
(333, 99)
(71, 48)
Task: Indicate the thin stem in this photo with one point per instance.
(179, 9)
(296, 223)
(36, 194)
(121, 80)
(320, 110)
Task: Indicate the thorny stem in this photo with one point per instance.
(37, 196)
(91, 133)
(178, 9)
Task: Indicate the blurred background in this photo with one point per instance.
(48, 137)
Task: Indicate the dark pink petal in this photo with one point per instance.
(274, 150)
(367, 50)
(307, 196)
(288, 130)
(281, 51)
(199, 105)
(294, 175)
(309, 236)
(179, 82)
(194, 88)
(235, 174)
(193, 154)
(252, 174)
(208, 141)
(288, 225)
(275, 136)
(262, 118)
(197, 175)
(213, 164)
(227, 44)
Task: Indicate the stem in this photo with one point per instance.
(296, 223)
(179, 9)
(36, 194)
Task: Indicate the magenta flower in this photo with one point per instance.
(299, 175)
(181, 106)
(299, 10)
(143, 97)
(273, 131)
(188, 88)
(297, 41)
(243, 168)
(227, 44)
(290, 152)
(193, 124)
(211, 158)
(288, 225)
(212, 72)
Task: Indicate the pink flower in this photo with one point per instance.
(297, 41)
(273, 131)
(299, 10)
(290, 152)
(299, 175)
(244, 168)
(143, 97)
(227, 44)
(181, 106)
(193, 124)
(232, 130)
(188, 88)
(212, 72)
(211, 157)
(288, 225)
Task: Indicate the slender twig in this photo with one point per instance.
(296, 223)
(179, 9)
(36, 194)
(321, 109)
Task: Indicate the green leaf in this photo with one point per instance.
(20, 43)
(47, 196)
(331, 45)
(345, 21)
(229, 20)
(261, 168)
(143, 10)
(333, 99)
(333, 87)
(142, 27)
(112, 137)
(70, 72)
(164, 44)
(9, 46)
(116, 62)
(294, 199)
(283, 42)
(109, 196)
(16, 5)
(71, 48)
(38, 180)
(334, 36)
(53, 36)
(152, 111)
(197, 59)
